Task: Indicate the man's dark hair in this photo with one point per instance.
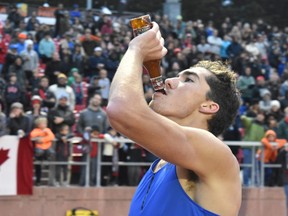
(224, 92)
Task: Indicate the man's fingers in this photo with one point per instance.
(155, 27)
(162, 42)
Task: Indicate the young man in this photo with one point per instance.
(197, 173)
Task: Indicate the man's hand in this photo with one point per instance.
(149, 45)
(58, 120)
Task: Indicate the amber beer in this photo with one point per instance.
(139, 25)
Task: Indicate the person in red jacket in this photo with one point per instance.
(3, 52)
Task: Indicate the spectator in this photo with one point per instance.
(78, 57)
(104, 84)
(35, 112)
(94, 87)
(18, 123)
(14, 16)
(96, 62)
(9, 60)
(245, 83)
(21, 45)
(12, 92)
(59, 16)
(77, 27)
(2, 88)
(93, 115)
(17, 68)
(110, 154)
(46, 48)
(283, 160)
(3, 52)
(61, 88)
(32, 22)
(66, 43)
(30, 60)
(3, 123)
(90, 150)
(54, 68)
(62, 154)
(233, 134)
(65, 24)
(215, 42)
(275, 112)
(89, 42)
(80, 91)
(223, 49)
(107, 26)
(43, 138)
(75, 13)
(259, 89)
(234, 50)
(48, 98)
(265, 103)
(282, 132)
(271, 145)
(254, 131)
(61, 114)
(203, 47)
(74, 72)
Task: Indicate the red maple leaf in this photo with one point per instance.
(3, 155)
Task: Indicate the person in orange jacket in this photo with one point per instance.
(271, 146)
(43, 137)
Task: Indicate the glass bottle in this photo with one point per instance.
(139, 25)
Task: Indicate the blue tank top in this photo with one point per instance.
(160, 194)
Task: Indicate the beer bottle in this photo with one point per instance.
(139, 25)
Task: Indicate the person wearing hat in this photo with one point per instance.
(21, 42)
(96, 62)
(61, 88)
(74, 72)
(18, 123)
(30, 59)
(61, 114)
(35, 111)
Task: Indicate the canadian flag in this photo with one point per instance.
(16, 165)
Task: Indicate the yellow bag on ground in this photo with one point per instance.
(82, 212)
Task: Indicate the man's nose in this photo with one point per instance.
(171, 83)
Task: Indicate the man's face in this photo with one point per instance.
(62, 81)
(96, 100)
(63, 101)
(44, 82)
(184, 94)
(16, 111)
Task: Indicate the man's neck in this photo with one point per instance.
(94, 108)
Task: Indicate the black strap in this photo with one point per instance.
(73, 211)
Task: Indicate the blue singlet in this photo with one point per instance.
(160, 194)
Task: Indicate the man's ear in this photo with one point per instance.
(209, 107)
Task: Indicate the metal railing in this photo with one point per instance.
(243, 144)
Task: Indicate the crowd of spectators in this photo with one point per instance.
(62, 73)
